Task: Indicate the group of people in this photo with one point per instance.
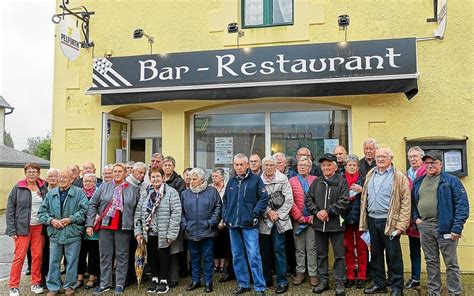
(270, 220)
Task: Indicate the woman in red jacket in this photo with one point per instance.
(304, 235)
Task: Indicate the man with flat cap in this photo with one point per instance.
(327, 200)
(440, 208)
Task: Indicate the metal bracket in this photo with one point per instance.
(82, 14)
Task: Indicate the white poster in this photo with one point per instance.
(224, 150)
(70, 37)
(330, 144)
(452, 161)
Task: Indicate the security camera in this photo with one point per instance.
(343, 21)
(232, 28)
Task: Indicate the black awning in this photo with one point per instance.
(407, 86)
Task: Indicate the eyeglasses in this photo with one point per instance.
(304, 165)
(432, 163)
(413, 156)
(31, 172)
(381, 156)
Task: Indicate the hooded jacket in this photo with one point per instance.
(245, 200)
(18, 213)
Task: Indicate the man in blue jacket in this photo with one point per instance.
(245, 200)
(440, 208)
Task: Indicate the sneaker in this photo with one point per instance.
(14, 292)
(100, 290)
(118, 290)
(36, 288)
(153, 287)
(162, 287)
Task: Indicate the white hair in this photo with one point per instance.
(371, 141)
(52, 170)
(269, 159)
(198, 172)
(418, 149)
(138, 165)
(241, 156)
(94, 177)
(279, 154)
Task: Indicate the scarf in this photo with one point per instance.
(351, 179)
(199, 188)
(152, 204)
(411, 174)
(89, 192)
(305, 185)
(117, 199)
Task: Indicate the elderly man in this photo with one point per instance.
(282, 165)
(255, 164)
(244, 202)
(274, 224)
(137, 177)
(368, 161)
(440, 210)
(129, 165)
(75, 171)
(155, 162)
(64, 211)
(315, 168)
(341, 155)
(327, 200)
(87, 168)
(385, 212)
(417, 169)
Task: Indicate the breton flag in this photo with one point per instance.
(105, 75)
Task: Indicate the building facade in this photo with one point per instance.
(100, 115)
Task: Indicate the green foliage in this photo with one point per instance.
(39, 146)
(7, 139)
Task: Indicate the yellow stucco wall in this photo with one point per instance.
(8, 178)
(443, 106)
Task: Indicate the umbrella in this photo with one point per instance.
(140, 260)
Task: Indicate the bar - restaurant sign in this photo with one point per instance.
(311, 64)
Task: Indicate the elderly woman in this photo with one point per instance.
(354, 247)
(115, 203)
(201, 214)
(305, 243)
(89, 256)
(187, 179)
(107, 173)
(24, 226)
(275, 223)
(222, 252)
(327, 200)
(157, 222)
(52, 178)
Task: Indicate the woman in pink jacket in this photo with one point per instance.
(304, 235)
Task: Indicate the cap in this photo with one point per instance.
(328, 156)
(434, 154)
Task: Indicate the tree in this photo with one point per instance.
(39, 146)
(7, 139)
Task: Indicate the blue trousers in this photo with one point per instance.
(273, 247)
(247, 238)
(415, 257)
(71, 253)
(202, 249)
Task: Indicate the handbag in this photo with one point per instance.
(98, 222)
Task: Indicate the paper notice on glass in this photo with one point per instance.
(224, 150)
(452, 161)
(330, 144)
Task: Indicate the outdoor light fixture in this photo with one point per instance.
(139, 33)
(343, 22)
(234, 28)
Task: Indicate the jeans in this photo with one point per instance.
(415, 257)
(247, 238)
(203, 249)
(380, 242)
(70, 252)
(274, 244)
(433, 243)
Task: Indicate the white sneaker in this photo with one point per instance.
(36, 289)
(14, 292)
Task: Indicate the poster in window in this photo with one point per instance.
(330, 144)
(224, 150)
(452, 161)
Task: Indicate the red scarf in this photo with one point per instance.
(351, 179)
(89, 192)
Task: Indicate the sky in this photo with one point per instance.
(26, 66)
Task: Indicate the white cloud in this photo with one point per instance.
(26, 66)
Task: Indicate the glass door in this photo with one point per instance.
(115, 139)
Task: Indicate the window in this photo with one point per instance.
(265, 13)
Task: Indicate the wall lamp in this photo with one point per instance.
(139, 33)
(343, 22)
(234, 28)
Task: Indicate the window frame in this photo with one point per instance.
(267, 15)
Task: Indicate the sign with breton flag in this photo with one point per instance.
(105, 76)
